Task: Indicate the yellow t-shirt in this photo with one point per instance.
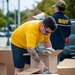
(29, 35)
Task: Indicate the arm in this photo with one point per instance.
(47, 44)
(32, 51)
(35, 56)
(46, 41)
(48, 47)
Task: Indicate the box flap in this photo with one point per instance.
(56, 52)
(53, 54)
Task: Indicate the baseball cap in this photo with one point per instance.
(60, 3)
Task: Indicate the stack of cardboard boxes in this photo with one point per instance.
(6, 62)
(7, 67)
(66, 67)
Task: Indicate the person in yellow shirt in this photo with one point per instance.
(28, 36)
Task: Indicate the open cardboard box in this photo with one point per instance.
(6, 62)
(38, 14)
(49, 60)
(66, 67)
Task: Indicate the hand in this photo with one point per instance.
(50, 49)
(46, 52)
(42, 66)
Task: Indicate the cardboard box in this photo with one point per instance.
(29, 71)
(49, 60)
(3, 70)
(6, 61)
(37, 13)
(66, 67)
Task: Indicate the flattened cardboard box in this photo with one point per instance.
(33, 71)
(49, 60)
(6, 62)
(66, 67)
(29, 71)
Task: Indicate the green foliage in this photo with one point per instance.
(24, 16)
(11, 21)
(2, 22)
(1, 13)
(24, 19)
(11, 14)
(46, 6)
(70, 8)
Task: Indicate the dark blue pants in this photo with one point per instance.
(18, 58)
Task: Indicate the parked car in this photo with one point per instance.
(2, 34)
(5, 34)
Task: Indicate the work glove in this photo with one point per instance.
(49, 50)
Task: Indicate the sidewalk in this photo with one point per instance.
(3, 41)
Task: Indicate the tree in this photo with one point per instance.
(11, 20)
(46, 6)
(2, 22)
(2, 19)
(24, 15)
(70, 8)
(11, 17)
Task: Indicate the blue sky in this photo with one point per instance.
(13, 4)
